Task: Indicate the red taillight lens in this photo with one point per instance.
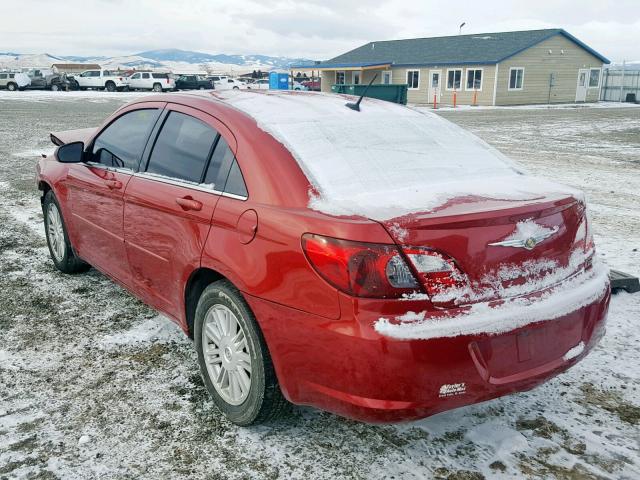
(358, 268)
(437, 272)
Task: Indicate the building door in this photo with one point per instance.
(581, 89)
(386, 77)
(435, 81)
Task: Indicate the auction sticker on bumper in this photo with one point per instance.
(451, 389)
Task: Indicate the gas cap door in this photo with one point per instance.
(247, 226)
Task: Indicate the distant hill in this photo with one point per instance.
(171, 59)
(187, 56)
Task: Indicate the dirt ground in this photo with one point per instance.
(93, 384)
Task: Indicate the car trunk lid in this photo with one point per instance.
(503, 248)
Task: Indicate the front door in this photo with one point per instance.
(97, 186)
(581, 89)
(435, 81)
(170, 202)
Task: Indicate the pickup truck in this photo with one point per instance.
(193, 82)
(100, 79)
(158, 82)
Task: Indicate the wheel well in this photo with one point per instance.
(44, 187)
(198, 281)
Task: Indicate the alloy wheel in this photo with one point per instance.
(226, 354)
(55, 232)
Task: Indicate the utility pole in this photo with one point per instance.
(622, 80)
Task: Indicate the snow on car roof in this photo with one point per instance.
(386, 160)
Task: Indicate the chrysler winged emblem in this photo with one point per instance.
(527, 235)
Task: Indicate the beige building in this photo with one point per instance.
(508, 68)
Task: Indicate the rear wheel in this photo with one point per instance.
(234, 360)
(157, 87)
(12, 87)
(60, 249)
(110, 87)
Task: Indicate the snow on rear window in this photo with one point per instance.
(382, 162)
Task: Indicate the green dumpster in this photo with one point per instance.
(396, 93)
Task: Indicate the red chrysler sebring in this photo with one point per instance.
(382, 264)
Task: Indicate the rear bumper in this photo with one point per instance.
(347, 367)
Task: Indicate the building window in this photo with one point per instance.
(474, 79)
(454, 79)
(516, 78)
(386, 78)
(356, 78)
(413, 79)
(594, 78)
(339, 78)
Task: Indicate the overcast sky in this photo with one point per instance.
(318, 29)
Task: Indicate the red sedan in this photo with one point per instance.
(382, 264)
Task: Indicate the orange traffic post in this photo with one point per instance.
(455, 98)
(475, 97)
(435, 101)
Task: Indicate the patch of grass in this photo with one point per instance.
(612, 401)
(541, 426)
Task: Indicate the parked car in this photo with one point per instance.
(193, 82)
(46, 79)
(313, 85)
(229, 84)
(13, 81)
(299, 86)
(158, 82)
(386, 271)
(262, 84)
(217, 78)
(101, 80)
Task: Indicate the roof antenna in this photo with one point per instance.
(356, 106)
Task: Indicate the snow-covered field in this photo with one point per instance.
(93, 384)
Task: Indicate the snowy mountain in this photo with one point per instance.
(170, 59)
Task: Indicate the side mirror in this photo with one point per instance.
(71, 152)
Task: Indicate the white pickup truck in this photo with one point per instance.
(100, 79)
(158, 82)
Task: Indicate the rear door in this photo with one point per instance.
(169, 204)
(96, 188)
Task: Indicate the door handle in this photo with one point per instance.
(113, 184)
(189, 204)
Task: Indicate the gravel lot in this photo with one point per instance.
(93, 384)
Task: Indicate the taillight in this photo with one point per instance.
(437, 272)
(358, 268)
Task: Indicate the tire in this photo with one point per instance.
(157, 87)
(236, 88)
(110, 87)
(262, 400)
(12, 87)
(55, 88)
(60, 249)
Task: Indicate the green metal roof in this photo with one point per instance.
(477, 49)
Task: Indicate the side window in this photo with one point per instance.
(235, 183)
(219, 166)
(121, 144)
(135, 75)
(182, 148)
(3, 76)
(145, 75)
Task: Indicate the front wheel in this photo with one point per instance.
(234, 359)
(12, 87)
(60, 249)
